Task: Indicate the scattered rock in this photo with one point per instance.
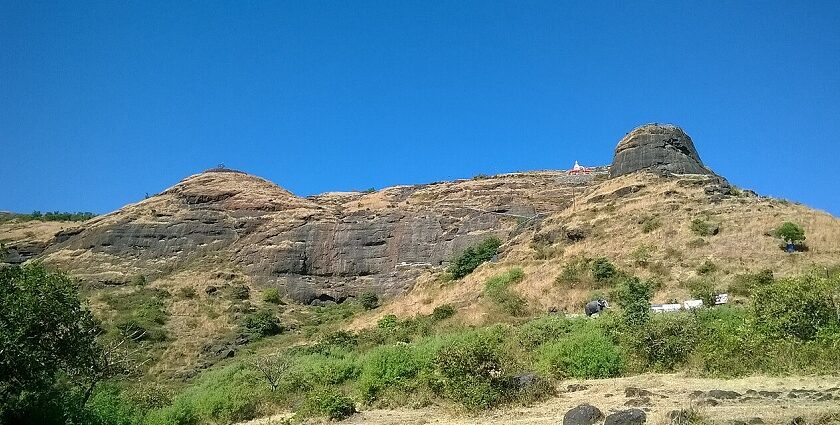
(769, 394)
(723, 394)
(576, 387)
(584, 414)
(638, 402)
(636, 392)
(627, 417)
(756, 421)
(696, 394)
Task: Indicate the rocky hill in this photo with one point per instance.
(227, 229)
(326, 247)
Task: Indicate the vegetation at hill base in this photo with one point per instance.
(789, 326)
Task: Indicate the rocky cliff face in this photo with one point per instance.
(661, 148)
(335, 245)
(326, 247)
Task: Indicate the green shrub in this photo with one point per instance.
(497, 289)
(140, 314)
(544, 329)
(239, 292)
(389, 321)
(666, 340)
(744, 284)
(472, 371)
(261, 323)
(139, 280)
(474, 256)
(650, 223)
(341, 339)
(226, 395)
(702, 227)
(574, 272)
(641, 255)
(796, 307)
(443, 311)
(708, 267)
(330, 403)
(633, 296)
(790, 232)
(271, 295)
(602, 270)
(388, 366)
(703, 289)
(187, 292)
(369, 300)
(585, 354)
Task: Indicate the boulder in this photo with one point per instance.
(664, 149)
(627, 417)
(584, 414)
(723, 394)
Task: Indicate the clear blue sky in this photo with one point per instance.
(101, 102)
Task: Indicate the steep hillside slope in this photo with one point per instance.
(642, 223)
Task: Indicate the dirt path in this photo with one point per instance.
(771, 400)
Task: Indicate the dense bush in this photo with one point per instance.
(702, 227)
(474, 256)
(369, 300)
(388, 366)
(745, 284)
(707, 267)
(603, 270)
(497, 289)
(139, 314)
(666, 340)
(588, 273)
(586, 354)
(473, 371)
(703, 289)
(330, 403)
(261, 323)
(797, 307)
(271, 295)
(633, 296)
(222, 396)
(443, 311)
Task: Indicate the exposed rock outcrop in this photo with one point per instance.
(325, 248)
(661, 148)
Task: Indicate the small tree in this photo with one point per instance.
(50, 359)
(633, 297)
(273, 368)
(474, 256)
(790, 232)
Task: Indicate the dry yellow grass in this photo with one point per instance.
(614, 231)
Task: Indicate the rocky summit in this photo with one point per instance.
(657, 147)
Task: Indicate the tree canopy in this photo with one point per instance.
(49, 357)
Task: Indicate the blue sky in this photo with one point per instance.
(102, 102)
